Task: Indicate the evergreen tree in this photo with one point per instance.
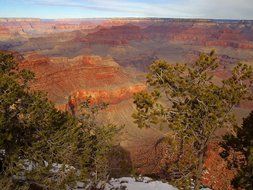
(43, 147)
(187, 101)
(242, 142)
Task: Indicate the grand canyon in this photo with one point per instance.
(107, 60)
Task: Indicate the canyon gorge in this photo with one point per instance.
(107, 60)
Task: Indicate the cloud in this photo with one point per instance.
(231, 9)
(139, 8)
(225, 9)
(99, 5)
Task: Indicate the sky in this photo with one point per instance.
(209, 9)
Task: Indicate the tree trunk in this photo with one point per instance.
(199, 170)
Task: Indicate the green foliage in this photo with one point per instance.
(87, 144)
(193, 106)
(7, 63)
(43, 147)
(242, 142)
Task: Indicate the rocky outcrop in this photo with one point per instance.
(108, 96)
(80, 77)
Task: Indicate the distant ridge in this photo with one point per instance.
(20, 20)
(125, 18)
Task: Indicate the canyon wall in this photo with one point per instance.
(107, 60)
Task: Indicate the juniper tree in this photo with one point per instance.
(22, 115)
(45, 147)
(241, 142)
(86, 146)
(187, 100)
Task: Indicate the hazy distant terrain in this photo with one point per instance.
(74, 47)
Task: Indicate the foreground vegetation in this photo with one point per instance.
(192, 106)
(242, 144)
(42, 147)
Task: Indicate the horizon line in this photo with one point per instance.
(128, 17)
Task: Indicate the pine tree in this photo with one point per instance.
(187, 101)
(242, 142)
(42, 147)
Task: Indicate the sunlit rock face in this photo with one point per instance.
(80, 77)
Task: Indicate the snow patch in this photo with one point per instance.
(145, 183)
